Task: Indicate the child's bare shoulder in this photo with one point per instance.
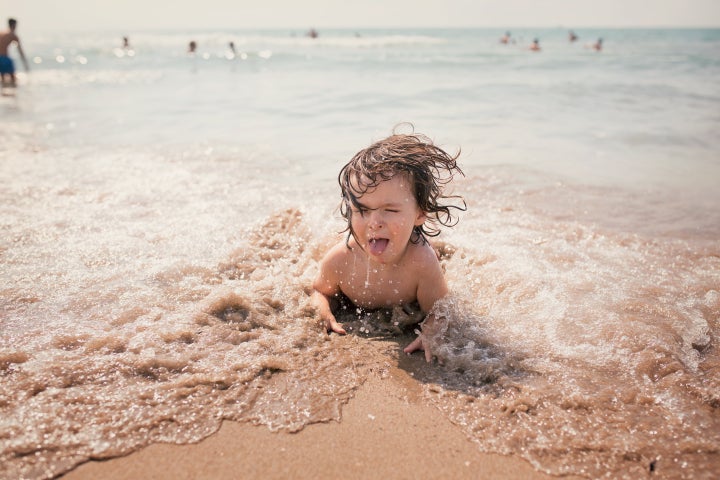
(337, 255)
(424, 257)
(332, 268)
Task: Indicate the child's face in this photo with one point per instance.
(384, 223)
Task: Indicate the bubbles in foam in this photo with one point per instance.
(594, 344)
(173, 373)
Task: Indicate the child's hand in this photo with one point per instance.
(420, 344)
(322, 303)
(332, 325)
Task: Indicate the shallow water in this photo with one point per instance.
(159, 240)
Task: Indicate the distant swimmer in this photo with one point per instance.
(597, 46)
(571, 36)
(535, 47)
(505, 39)
(312, 33)
(126, 50)
(192, 46)
(7, 67)
(231, 53)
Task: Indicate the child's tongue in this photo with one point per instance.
(378, 246)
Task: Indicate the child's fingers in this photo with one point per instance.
(337, 328)
(414, 345)
(418, 344)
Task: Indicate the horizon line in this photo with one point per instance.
(418, 27)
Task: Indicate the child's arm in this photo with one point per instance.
(326, 286)
(432, 288)
(322, 303)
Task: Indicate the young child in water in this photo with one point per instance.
(392, 195)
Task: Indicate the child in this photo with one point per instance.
(391, 198)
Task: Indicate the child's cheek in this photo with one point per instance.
(359, 221)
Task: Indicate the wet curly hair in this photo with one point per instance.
(428, 166)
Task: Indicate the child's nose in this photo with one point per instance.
(376, 219)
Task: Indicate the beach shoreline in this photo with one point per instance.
(386, 431)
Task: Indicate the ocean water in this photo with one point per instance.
(163, 216)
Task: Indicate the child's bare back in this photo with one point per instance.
(391, 193)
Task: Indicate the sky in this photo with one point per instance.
(73, 15)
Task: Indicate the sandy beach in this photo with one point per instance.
(385, 432)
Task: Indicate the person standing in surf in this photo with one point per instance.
(393, 200)
(7, 67)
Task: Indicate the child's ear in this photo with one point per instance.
(420, 219)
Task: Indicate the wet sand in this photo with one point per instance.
(386, 431)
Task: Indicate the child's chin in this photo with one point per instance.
(374, 256)
(384, 257)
